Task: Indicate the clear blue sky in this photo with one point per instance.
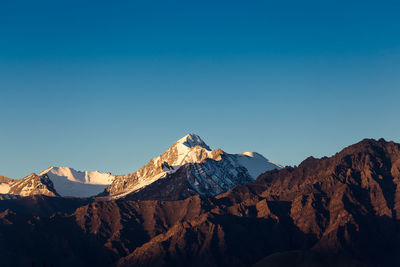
(108, 85)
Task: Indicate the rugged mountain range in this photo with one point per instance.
(342, 210)
(187, 168)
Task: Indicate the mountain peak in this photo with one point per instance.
(192, 140)
(254, 155)
(73, 183)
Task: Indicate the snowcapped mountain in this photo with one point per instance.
(72, 183)
(58, 181)
(188, 167)
(194, 168)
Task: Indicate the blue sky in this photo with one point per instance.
(109, 85)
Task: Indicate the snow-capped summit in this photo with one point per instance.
(210, 171)
(188, 149)
(86, 177)
(72, 183)
(192, 140)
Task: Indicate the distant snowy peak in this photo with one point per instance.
(86, 177)
(72, 183)
(192, 140)
(189, 149)
(58, 181)
(181, 152)
(215, 176)
(205, 171)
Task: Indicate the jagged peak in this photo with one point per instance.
(368, 145)
(57, 169)
(192, 140)
(372, 142)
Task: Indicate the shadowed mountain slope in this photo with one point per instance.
(346, 205)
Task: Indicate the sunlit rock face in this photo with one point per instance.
(33, 185)
(194, 169)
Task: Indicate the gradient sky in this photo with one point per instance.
(108, 85)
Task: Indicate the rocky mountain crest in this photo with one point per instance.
(207, 172)
(33, 185)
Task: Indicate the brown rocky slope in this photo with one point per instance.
(346, 205)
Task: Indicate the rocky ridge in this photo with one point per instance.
(33, 184)
(201, 171)
(345, 206)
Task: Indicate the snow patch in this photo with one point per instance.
(72, 183)
(192, 140)
(87, 177)
(256, 163)
(4, 188)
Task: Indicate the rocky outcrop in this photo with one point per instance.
(33, 185)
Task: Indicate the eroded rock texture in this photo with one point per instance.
(347, 206)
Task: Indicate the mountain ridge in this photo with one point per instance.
(208, 172)
(214, 171)
(345, 206)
